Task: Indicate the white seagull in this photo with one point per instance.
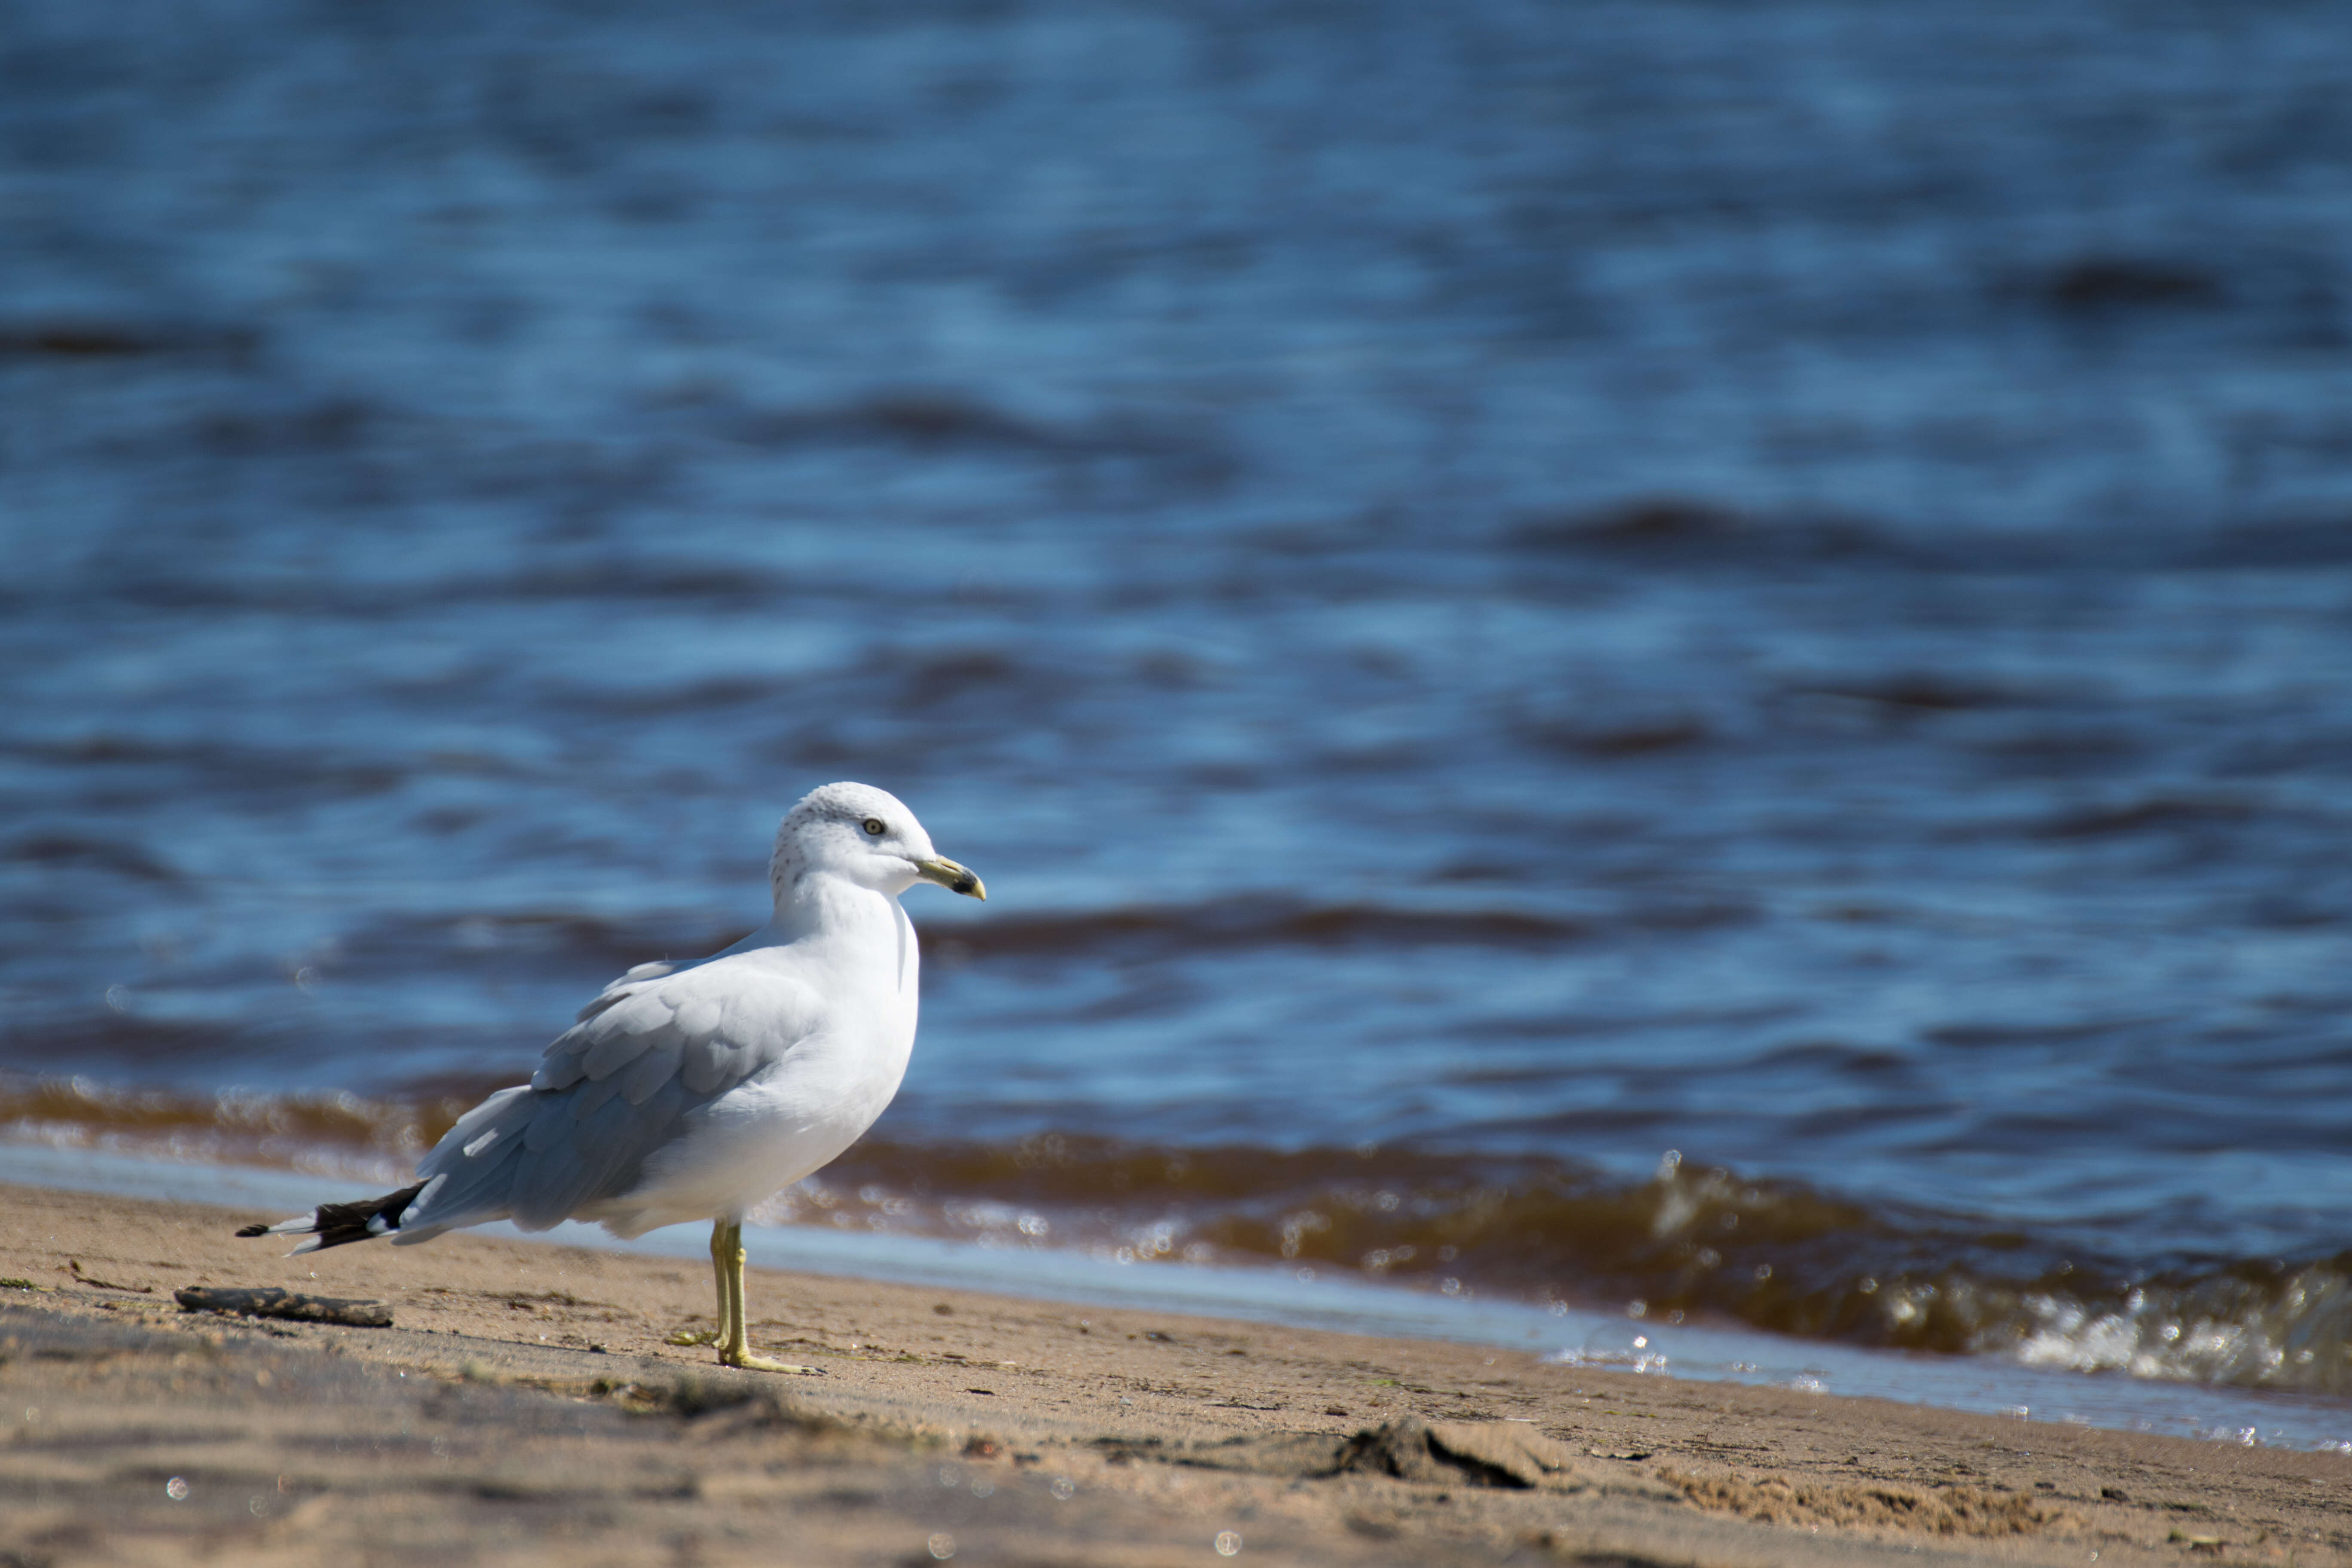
(691, 1092)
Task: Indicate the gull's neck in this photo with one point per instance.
(823, 907)
(832, 922)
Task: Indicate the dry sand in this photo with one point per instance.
(526, 1407)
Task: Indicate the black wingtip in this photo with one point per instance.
(337, 1225)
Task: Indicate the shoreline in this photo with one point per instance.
(515, 1369)
(1703, 1351)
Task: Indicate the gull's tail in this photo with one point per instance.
(535, 1156)
(332, 1225)
(469, 1177)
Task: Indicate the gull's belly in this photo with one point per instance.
(776, 1128)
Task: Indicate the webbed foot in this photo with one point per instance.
(750, 1363)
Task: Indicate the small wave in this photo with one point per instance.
(1604, 742)
(1686, 1243)
(2274, 544)
(87, 337)
(2160, 813)
(2101, 284)
(1929, 693)
(266, 772)
(328, 425)
(1676, 533)
(105, 1033)
(916, 418)
(2255, 1322)
(1257, 923)
(1682, 531)
(363, 1137)
(937, 680)
(596, 946)
(94, 854)
(934, 420)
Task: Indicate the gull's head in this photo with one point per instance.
(865, 835)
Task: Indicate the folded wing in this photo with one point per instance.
(652, 1048)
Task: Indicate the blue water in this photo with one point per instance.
(1523, 587)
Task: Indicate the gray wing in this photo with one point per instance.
(653, 1048)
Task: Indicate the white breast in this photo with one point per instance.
(811, 1098)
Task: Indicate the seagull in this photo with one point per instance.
(691, 1092)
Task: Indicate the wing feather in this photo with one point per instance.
(559, 1067)
(551, 1123)
(710, 1062)
(626, 986)
(613, 1044)
(589, 1098)
(648, 1073)
(608, 1039)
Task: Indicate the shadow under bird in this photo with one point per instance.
(691, 1092)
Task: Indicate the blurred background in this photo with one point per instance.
(1680, 656)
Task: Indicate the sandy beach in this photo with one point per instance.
(1611, 667)
(527, 1407)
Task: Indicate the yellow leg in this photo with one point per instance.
(719, 1243)
(734, 1336)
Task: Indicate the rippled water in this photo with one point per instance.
(1495, 595)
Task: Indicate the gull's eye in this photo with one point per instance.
(874, 826)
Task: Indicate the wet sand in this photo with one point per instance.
(526, 1406)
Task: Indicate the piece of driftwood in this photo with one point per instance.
(272, 1302)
